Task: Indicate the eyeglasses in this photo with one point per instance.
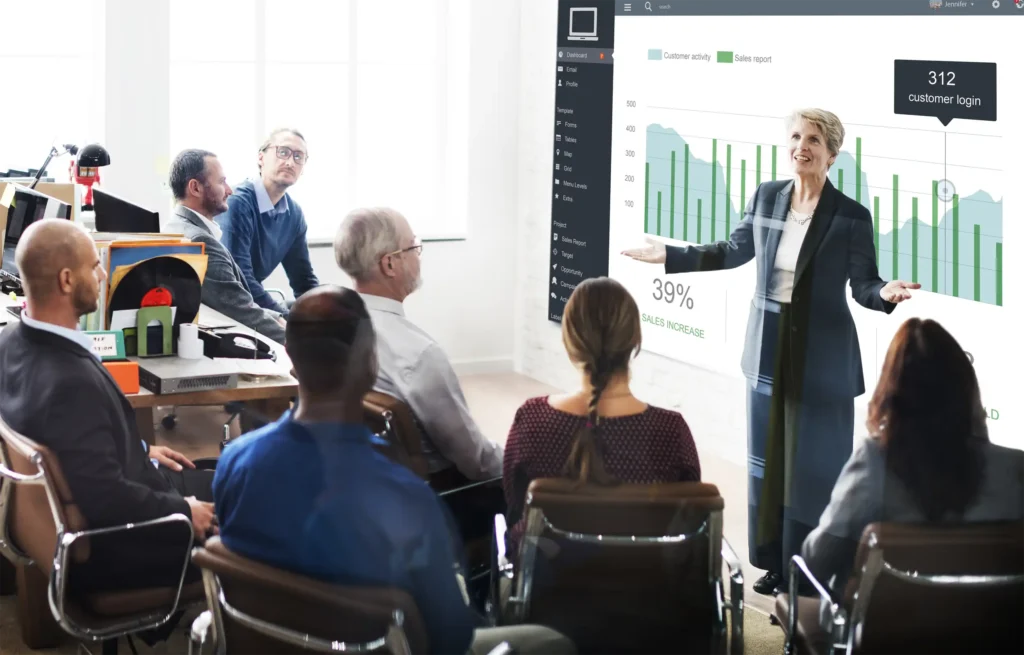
(284, 152)
(418, 247)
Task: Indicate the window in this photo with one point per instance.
(379, 89)
(213, 82)
(52, 80)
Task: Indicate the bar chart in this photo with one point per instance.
(696, 187)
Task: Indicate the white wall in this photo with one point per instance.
(466, 301)
(136, 64)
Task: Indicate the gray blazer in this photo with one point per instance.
(224, 287)
(866, 492)
(839, 247)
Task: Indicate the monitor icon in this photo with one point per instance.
(583, 24)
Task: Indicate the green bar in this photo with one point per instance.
(774, 148)
(743, 187)
(999, 273)
(895, 227)
(757, 168)
(724, 56)
(714, 183)
(698, 219)
(858, 169)
(647, 195)
(913, 245)
(728, 186)
(840, 180)
(686, 190)
(956, 245)
(672, 199)
(977, 262)
(877, 251)
(935, 236)
(659, 214)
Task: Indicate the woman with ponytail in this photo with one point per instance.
(601, 433)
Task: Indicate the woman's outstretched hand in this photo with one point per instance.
(897, 291)
(652, 253)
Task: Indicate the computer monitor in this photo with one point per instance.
(27, 207)
(115, 214)
(583, 24)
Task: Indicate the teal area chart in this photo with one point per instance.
(951, 244)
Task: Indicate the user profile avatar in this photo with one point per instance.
(582, 24)
(1019, 4)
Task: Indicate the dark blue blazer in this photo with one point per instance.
(839, 248)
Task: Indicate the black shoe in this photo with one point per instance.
(768, 583)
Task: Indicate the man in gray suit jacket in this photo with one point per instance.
(201, 190)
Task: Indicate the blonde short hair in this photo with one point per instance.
(827, 123)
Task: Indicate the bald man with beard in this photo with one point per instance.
(55, 391)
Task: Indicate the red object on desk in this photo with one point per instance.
(126, 374)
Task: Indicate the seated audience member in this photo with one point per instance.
(310, 493)
(601, 433)
(55, 391)
(200, 189)
(928, 459)
(378, 250)
(264, 227)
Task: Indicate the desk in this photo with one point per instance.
(269, 396)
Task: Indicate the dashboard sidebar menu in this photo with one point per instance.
(580, 169)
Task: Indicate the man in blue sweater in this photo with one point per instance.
(264, 227)
(311, 494)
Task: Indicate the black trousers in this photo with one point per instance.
(144, 557)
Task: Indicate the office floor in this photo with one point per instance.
(493, 400)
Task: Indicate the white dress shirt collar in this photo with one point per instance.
(382, 304)
(75, 336)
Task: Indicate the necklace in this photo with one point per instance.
(800, 221)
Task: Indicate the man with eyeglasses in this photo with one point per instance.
(264, 227)
(378, 250)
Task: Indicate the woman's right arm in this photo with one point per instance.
(720, 255)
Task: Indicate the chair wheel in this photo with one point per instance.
(169, 421)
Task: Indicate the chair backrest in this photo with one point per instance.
(36, 508)
(392, 419)
(627, 568)
(938, 589)
(299, 604)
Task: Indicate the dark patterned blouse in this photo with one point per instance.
(652, 446)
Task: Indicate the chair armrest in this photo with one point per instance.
(200, 632)
(837, 616)
(469, 486)
(58, 582)
(500, 530)
(277, 292)
(500, 568)
(504, 648)
(735, 606)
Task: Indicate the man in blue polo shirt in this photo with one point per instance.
(310, 493)
(264, 227)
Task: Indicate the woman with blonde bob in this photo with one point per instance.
(601, 433)
(801, 355)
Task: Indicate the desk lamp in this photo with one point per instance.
(68, 147)
(86, 170)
